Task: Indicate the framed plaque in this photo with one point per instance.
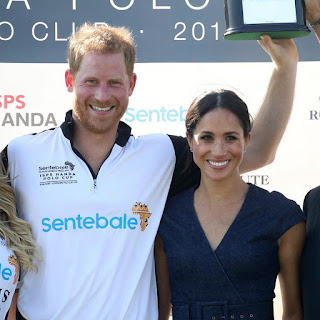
(280, 19)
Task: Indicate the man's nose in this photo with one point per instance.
(102, 93)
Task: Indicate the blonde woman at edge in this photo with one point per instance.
(17, 248)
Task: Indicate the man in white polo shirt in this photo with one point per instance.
(94, 194)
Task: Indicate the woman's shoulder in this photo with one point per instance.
(274, 199)
(277, 211)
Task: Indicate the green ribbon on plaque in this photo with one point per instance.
(280, 19)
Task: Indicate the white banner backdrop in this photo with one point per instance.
(34, 98)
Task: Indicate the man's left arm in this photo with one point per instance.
(270, 123)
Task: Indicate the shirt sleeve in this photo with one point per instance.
(186, 173)
(289, 214)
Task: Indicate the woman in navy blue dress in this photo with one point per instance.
(223, 243)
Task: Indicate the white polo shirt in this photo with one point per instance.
(96, 231)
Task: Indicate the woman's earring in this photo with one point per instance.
(244, 150)
(191, 150)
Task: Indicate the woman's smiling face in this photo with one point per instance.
(218, 144)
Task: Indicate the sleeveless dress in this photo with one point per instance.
(237, 279)
(9, 276)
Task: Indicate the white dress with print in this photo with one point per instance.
(9, 276)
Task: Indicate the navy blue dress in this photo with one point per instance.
(237, 279)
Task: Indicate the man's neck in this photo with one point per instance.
(95, 148)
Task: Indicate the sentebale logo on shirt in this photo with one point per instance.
(96, 222)
(99, 221)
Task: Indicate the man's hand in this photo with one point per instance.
(283, 52)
